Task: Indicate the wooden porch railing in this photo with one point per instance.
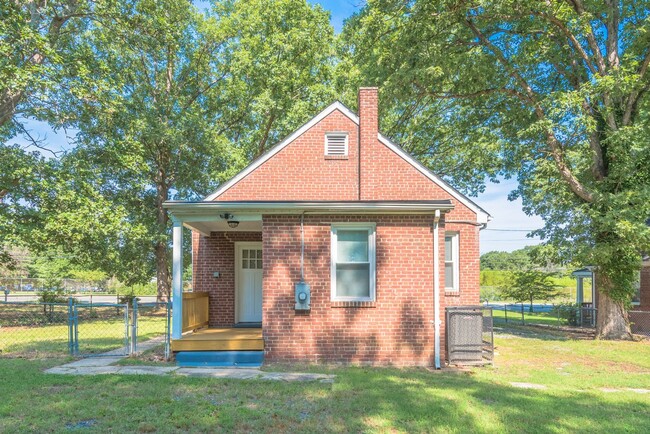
(195, 310)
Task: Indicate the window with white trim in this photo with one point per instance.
(336, 144)
(636, 297)
(452, 270)
(353, 262)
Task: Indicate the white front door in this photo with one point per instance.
(248, 256)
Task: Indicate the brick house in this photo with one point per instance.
(334, 246)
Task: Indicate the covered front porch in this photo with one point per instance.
(197, 335)
(224, 311)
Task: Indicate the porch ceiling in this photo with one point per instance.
(205, 227)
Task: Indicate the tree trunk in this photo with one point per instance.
(612, 321)
(161, 247)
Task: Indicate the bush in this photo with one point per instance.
(138, 289)
(52, 295)
(568, 312)
(127, 299)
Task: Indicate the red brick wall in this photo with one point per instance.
(301, 171)
(217, 253)
(396, 330)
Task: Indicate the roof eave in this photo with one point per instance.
(182, 208)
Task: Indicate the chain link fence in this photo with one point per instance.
(565, 315)
(640, 322)
(29, 284)
(35, 329)
(101, 328)
(81, 329)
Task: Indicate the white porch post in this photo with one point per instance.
(177, 279)
(580, 291)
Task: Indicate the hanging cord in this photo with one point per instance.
(302, 247)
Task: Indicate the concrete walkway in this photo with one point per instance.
(104, 364)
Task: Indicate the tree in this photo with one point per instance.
(529, 285)
(173, 103)
(516, 260)
(36, 40)
(554, 93)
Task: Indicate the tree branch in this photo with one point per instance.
(634, 95)
(555, 147)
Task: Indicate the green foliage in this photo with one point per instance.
(515, 260)
(554, 94)
(529, 285)
(489, 294)
(172, 103)
(567, 311)
(135, 290)
(495, 277)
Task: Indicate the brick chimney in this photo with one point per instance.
(368, 129)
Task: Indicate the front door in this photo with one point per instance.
(249, 281)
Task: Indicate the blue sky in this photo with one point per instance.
(506, 231)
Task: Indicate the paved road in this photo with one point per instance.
(81, 297)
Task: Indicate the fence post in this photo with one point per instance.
(505, 310)
(559, 308)
(579, 316)
(76, 329)
(134, 327)
(70, 328)
(523, 321)
(167, 331)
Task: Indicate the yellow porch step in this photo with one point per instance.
(221, 339)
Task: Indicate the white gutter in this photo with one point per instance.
(436, 290)
(429, 207)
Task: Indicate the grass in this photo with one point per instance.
(575, 372)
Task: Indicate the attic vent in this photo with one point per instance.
(336, 144)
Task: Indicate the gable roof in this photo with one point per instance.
(482, 215)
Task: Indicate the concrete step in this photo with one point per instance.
(248, 359)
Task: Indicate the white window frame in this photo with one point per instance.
(638, 303)
(337, 133)
(371, 228)
(455, 260)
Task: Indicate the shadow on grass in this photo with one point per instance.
(360, 400)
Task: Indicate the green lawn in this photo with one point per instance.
(360, 400)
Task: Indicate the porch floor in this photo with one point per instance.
(221, 339)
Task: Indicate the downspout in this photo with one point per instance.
(436, 290)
